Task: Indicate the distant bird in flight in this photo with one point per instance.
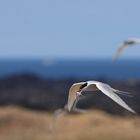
(76, 90)
(125, 44)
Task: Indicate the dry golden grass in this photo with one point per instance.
(22, 124)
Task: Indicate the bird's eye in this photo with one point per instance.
(82, 86)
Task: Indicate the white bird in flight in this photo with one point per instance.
(75, 93)
(125, 44)
(76, 90)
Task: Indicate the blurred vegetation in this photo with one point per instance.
(20, 124)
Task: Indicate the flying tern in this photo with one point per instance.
(76, 90)
(75, 93)
(125, 44)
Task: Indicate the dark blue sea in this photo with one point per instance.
(60, 69)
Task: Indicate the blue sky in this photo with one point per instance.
(67, 28)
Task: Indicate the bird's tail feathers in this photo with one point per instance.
(123, 93)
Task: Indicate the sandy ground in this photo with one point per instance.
(22, 124)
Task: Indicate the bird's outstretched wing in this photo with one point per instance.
(119, 51)
(136, 40)
(73, 96)
(59, 112)
(107, 90)
(55, 116)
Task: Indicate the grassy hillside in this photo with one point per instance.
(22, 124)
